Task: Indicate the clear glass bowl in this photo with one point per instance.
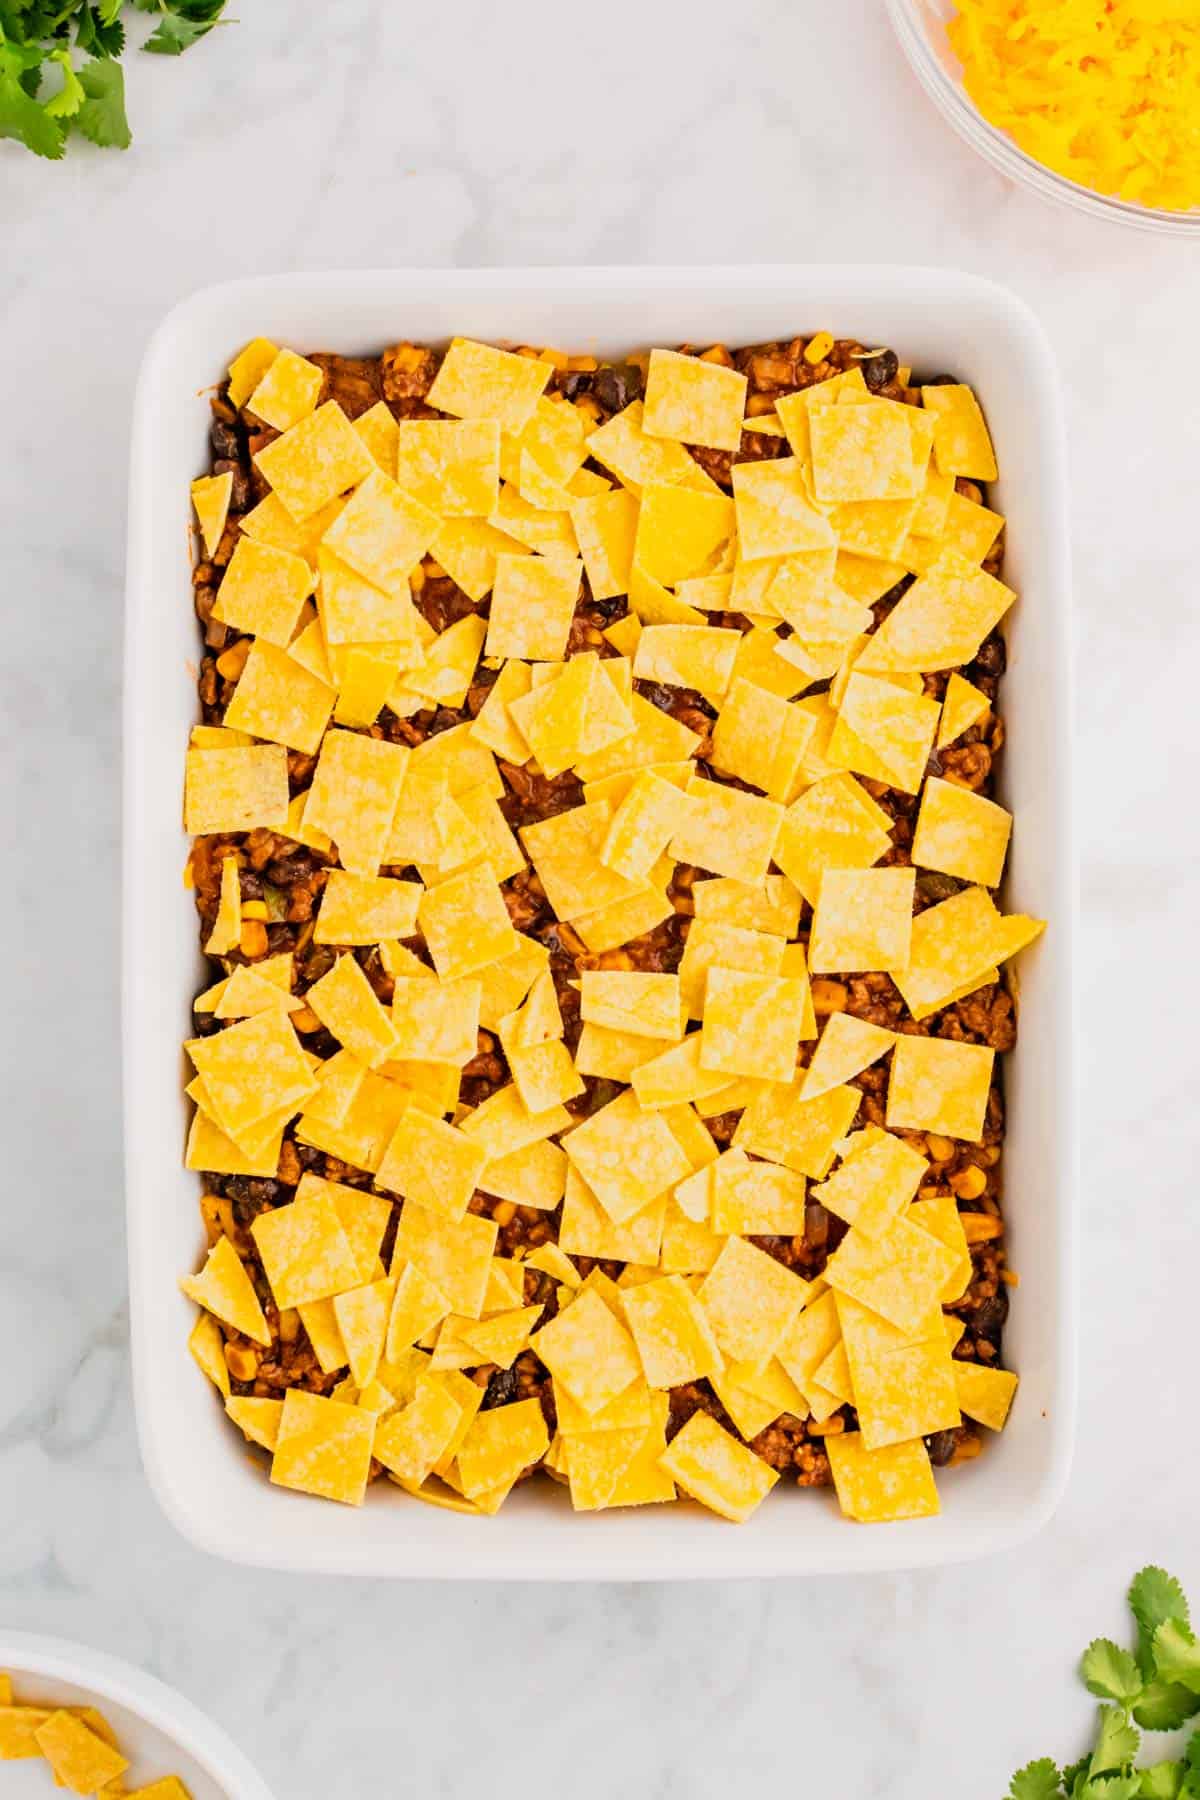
(921, 27)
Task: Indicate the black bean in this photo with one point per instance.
(940, 1446)
(991, 656)
(500, 1389)
(575, 382)
(988, 1319)
(615, 388)
(224, 440)
(879, 370)
(932, 886)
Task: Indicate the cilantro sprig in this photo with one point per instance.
(1156, 1686)
(59, 67)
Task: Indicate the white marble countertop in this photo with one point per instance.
(374, 133)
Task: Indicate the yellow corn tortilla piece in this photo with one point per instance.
(324, 1448)
(467, 549)
(565, 851)
(209, 1148)
(379, 431)
(750, 1300)
(642, 826)
(615, 1055)
(713, 1468)
(606, 527)
(624, 446)
(881, 1486)
(656, 738)
(248, 368)
(382, 532)
(304, 1248)
(535, 1175)
(940, 1215)
(417, 1306)
(939, 1085)
(503, 1123)
(626, 1157)
(775, 512)
(257, 1420)
(847, 1046)
(761, 739)
(862, 920)
(678, 530)
(962, 444)
(278, 699)
(863, 453)
(365, 909)
(500, 1445)
(672, 1334)
(752, 1023)
(963, 707)
(648, 1005)
(942, 619)
(726, 831)
(589, 1351)
(493, 724)
(899, 1273)
(436, 1021)
(477, 381)
(969, 528)
(695, 656)
(224, 1288)
(210, 497)
(587, 1230)
(465, 923)
(872, 1189)
(236, 790)
(961, 833)
(545, 1075)
(207, 1345)
(533, 603)
(287, 391)
(772, 906)
(252, 1070)
(715, 944)
(80, 1757)
(454, 1254)
(801, 1134)
(347, 1005)
(676, 1076)
(354, 610)
(883, 732)
(362, 1315)
(451, 466)
(314, 461)
(984, 1394)
(227, 926)
(433, 1163)
(354, 793)
(756, 1198)
(693, 401)
(954, 947)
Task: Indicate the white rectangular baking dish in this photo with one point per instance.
(937, 320)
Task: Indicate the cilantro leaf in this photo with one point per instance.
(1165, 1706)
(1112, 1787)
(1177, 1654)
(183, 23)
(1110, 1672)
(21, 117)
(102, 115)
(1155, 1597)
(70, 97)
(1161, 1781)
(99, 31)
(1075, 1775)
(1036, 1781)
(1116, 1742)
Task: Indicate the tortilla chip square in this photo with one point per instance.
(355, 611)
(775, 512)
(417, 1306)
(883, 732)
(465, 923)
(248, 368)
(365, 909)
(451, 466)
(433, 1163)
(672, 1334)
(756, 1198)
(727, 831)
(503, 1122)
(606, 527)
(906, 1393)
(324, 1448)
(354, 794)
(942, 619)
(963, 707)
(533, 603)
(224, 1289)
(276, 698)
(500, 1445)
(287, 390)
(961, 833)
(627, 449)
(589, 1351)
(210, 497)
(847, 1046)
(863, 453)
(750, 1300)
(362, 1318)
(862, 921)
(678, 531)
(626, 1157)
(984, 1394)
(752, 1023)
(772, 906)
(467, 549)
(712, 1467)
(587, 1230)
(962, 444)
(382, 532)
(535, 1175)
(642, 826)
(477, 381)
(648, 1005)
(251, 1070)
(454, 1254)
(80, 1757)
(899, 1273)
(304, 1249)
(411, 1441)
(878, 1486)
(696, 656)
(347, 1005)
(315, 461)
(761, 739)
(939, 1085)
(694, 401)
(874, 1187)
(833, 825)
(263, 591)
(236, 790)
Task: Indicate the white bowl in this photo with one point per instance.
(158, 1730)
(937, 319)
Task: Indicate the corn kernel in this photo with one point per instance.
(231, 662)
(718, 354)
(253, 940)
(828, 1427)
(254, 909)
(966, 1449)
(556, 358)
(969, 1183)
(758, 405)
(829, 996)
(941, 1149)
(582, 365)
(305, 1019)
(242, 1361)
(818, 347)
(504, 1214)
(416, 580)
(981, 1228)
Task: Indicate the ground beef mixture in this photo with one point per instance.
(289, 878)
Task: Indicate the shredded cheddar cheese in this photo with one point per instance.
(1105, 92)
